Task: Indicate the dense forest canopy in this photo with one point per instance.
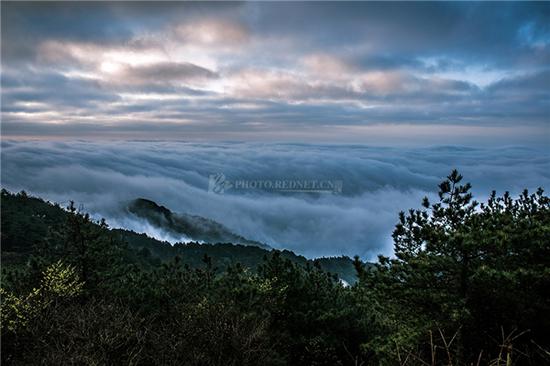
(469, 284)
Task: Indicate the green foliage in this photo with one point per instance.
(17, 311)
(59, 282)
(469, 285)
(469, 271)
(25, 222)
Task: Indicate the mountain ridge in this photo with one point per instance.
(26, 222)
(193, 227)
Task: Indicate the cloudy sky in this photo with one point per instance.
(476, 73)
(109, 101)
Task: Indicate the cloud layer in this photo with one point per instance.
(378, 182)
(276, 70)
(471, 78)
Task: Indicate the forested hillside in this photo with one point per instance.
(29, 223)
(469, 285)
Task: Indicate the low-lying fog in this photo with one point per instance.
(377, 182)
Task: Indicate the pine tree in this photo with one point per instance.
(466, 270)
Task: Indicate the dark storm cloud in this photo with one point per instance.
(533, 83)
(266, 67)
(377, 183)
(27, 23)
(164, 73)
(21, 86)
(464, 29)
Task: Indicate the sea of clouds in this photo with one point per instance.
(378, 182)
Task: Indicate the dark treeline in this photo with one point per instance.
(469, 285)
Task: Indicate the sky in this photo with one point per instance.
(384, 73)
(105, 102)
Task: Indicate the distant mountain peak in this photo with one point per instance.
(152, 205)
(197, 228)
